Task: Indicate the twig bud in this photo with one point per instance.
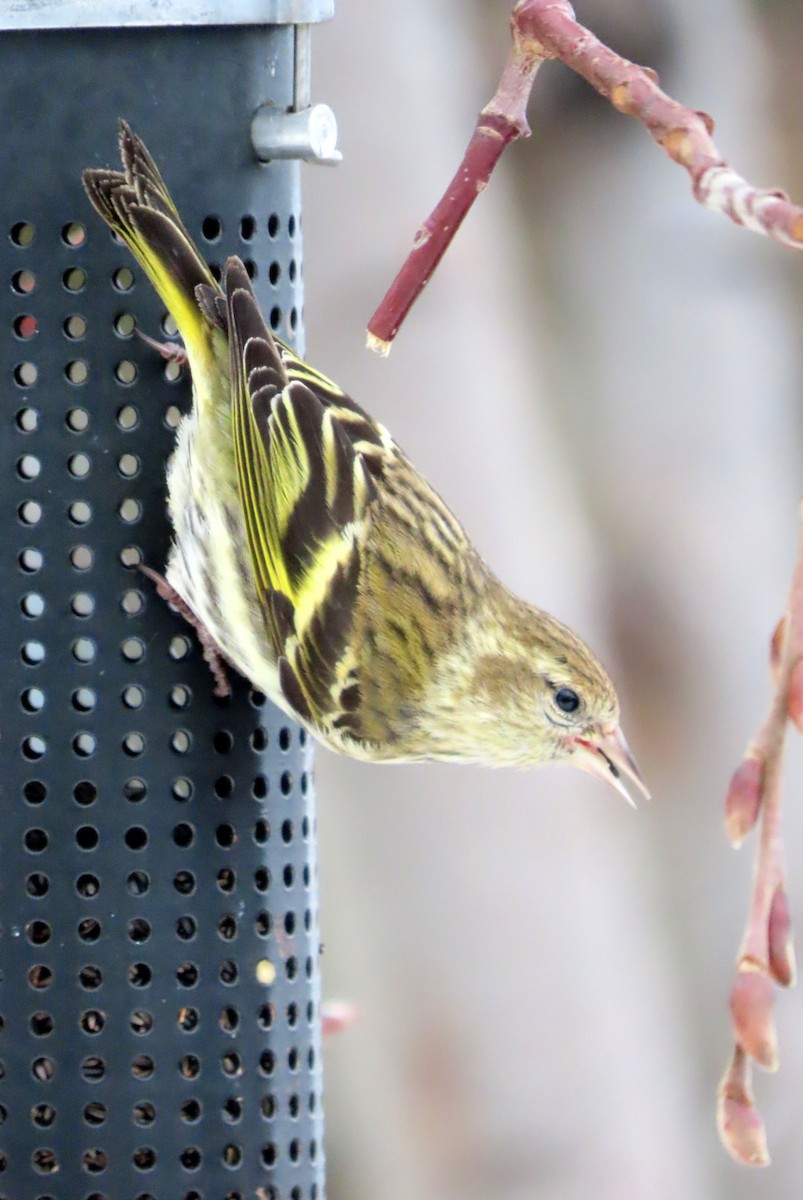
(781, 947)
(751, 1011)
(707, 120)
(776, 650)
(741, 1129)
(743, 800)
(794, 695)
(336, 1016)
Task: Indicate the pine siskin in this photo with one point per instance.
(312, 556)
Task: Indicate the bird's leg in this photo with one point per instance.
(212, 653)
(170, 351)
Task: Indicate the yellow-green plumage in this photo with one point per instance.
(321, 564)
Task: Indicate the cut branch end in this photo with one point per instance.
(378, 345)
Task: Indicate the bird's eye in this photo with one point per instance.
(567, 700)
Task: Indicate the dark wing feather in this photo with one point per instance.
(302, 452)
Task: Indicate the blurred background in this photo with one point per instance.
(604, 381)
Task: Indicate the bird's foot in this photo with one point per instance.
(213, 655)
(171, 352)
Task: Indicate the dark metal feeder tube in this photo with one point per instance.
(159, 995)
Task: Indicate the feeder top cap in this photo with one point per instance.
(96, 14)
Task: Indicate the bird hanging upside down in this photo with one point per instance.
(312, 556)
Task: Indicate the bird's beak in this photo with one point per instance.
(608, 756)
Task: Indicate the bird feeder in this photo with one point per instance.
(159, 989)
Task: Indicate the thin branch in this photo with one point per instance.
(501, 121)
(684, 134)
(766, 955)
(544, 29)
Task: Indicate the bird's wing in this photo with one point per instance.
(307, 458)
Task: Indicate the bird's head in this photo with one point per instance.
(553, 701)
(579, 721)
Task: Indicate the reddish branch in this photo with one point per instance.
(544, 29)
(499, 123)
(766, 956)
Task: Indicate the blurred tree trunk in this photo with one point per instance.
(599, 381)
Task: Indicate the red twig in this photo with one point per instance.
(501, 121)
(547, 29)
(766, 955)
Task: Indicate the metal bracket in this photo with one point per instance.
(310, 134)
(307, 131)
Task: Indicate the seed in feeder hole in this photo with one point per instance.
(266, 972)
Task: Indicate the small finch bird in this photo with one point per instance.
(311, 555)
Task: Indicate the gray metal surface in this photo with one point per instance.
(159, 986)
(94, 14)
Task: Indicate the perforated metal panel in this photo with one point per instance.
(159, 1034)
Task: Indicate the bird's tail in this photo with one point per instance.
(137, 206)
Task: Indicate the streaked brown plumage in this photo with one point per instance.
(320, 563)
